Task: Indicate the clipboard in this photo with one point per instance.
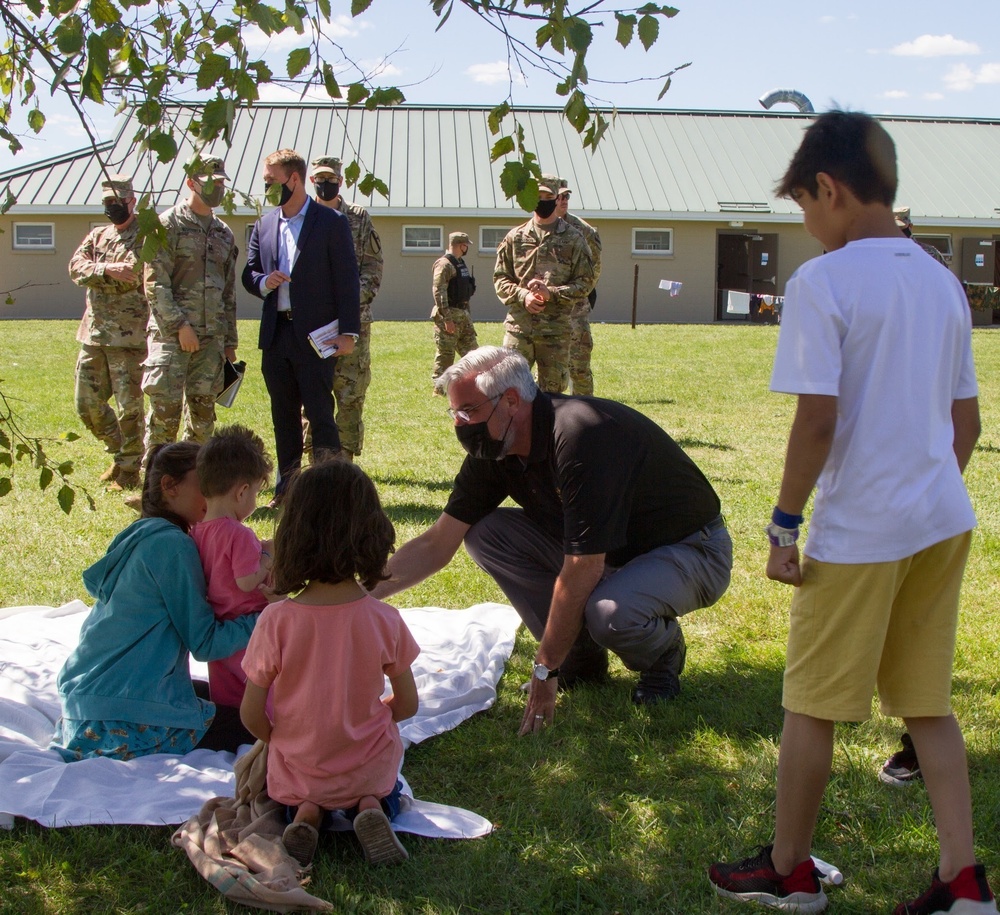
(233, 373)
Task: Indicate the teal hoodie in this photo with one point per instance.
(132, 660)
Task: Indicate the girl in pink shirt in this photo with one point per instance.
(324, 654)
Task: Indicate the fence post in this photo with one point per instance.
(635, 293)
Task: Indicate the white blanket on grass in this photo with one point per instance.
(462, 657)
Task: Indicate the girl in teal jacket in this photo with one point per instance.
(126, 689)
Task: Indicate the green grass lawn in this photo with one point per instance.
(616, 808)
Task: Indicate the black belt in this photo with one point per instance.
(287, 314)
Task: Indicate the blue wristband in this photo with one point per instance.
(783, 519)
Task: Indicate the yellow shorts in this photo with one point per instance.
(884, 625)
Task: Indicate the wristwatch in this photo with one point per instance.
(541, 672)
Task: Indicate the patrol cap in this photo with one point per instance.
(119, 186)
(902, 215)
(564, 186)
(549, 183)
(459, 238)
(327, 165)
(211, 167)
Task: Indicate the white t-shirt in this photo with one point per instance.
(886, 330)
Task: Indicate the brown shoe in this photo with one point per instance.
(110, 474)
(126, 479)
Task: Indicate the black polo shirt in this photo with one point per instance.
(601, 477)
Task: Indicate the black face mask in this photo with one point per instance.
(475, 439)
(545, 208)
(273, 197)
(117, 212)
(328, 190)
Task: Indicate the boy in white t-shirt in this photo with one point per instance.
(876, 344)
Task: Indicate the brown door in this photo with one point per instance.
(747, 262)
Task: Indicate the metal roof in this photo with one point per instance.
(650, 164)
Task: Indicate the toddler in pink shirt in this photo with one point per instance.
(232, 468)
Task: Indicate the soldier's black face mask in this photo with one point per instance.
(214, 197)
(327, 190)
(545, 208)
(117, 212)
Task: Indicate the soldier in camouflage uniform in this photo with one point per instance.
(112, 335)
(581, 341)
(190, 286)
(902, 215)
(353, 373)
(453, 286)
(543, 273)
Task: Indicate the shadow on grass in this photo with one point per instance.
(396, 480)
(701, 443)
(420, 513)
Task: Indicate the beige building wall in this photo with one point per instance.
(47, 292)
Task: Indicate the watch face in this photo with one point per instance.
(541, 672)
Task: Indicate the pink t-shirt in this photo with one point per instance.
(333, 740)
(228, 550)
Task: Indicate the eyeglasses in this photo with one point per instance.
(320, 179)
(564, 195)
(463, 416)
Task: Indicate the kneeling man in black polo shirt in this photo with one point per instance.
(617, 535)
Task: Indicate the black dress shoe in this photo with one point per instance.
(661, 682)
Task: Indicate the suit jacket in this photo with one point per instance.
(325, 282)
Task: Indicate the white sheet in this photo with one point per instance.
(462, 657)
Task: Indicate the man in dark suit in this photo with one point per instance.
(301, 262)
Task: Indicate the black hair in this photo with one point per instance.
(175, 460)
(332, 529)
(851, 147)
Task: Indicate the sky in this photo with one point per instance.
(920, 57)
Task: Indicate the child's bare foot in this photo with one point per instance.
(374, 832)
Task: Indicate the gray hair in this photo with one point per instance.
(496, 369)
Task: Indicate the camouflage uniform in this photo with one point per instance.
(559, 255)
(444, 311)
(581, 341)
(191, 280)
(353, 373)
(112, 335)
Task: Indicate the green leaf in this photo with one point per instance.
(69, 36)
(330, 82)
(384, 98)
(496, 116)
(36, 120)
(35, 6)
(577, 112)
(212, 68)
(504, 146)
(324, 9)
(5, 486)
(217, 119)
(298, 60)
(578, 34)
(163, 144)
(356, 93)
(649, 31)
(45, 478)
(352, 173)
(96, 72)
(245, 86)
(438, 7)
(292, 18)
(104, 12)
(626, 29)
(663, 91)
(544, 35)
(66, 496)
(149, 112)
(359, 6)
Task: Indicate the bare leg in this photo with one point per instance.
(941, 750)
(804, 763)
(310, 813)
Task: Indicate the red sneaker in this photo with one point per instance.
(967, 894)
(756, 880)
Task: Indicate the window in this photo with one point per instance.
(941, 242)
(653, 241)
(490, 238)
(34, 236)
(423, 238)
